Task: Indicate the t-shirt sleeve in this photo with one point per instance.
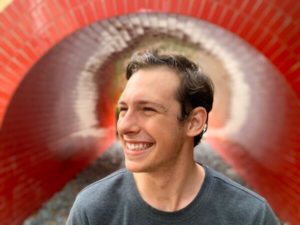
(267, 217)
(77, 215)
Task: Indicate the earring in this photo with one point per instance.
(205, 128)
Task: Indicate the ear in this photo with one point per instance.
(196, 122)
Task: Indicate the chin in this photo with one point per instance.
(135, 167)
(132, 167)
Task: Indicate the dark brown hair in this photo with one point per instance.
(196, 89)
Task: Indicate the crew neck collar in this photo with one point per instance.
(180, 215)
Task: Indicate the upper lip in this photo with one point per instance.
(136, 141)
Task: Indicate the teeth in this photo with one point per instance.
(137, 147)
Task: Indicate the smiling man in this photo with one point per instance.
(163, 115)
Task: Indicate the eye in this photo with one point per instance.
(149, 109)
(122, 111)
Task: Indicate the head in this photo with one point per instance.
(163, 111)
(195, 88)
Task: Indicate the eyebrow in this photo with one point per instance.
(145, 102)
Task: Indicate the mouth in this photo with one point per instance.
(138, 146)
(134, 149)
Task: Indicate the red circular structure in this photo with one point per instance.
(30, 168)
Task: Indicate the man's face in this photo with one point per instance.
(148, 127)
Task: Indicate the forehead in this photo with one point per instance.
(155, 84)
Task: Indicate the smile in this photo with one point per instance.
(138, 146)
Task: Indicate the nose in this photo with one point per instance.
(128, 123)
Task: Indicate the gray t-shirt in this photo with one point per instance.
(115, 200)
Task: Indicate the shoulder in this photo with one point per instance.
(238, 202)
(229, 186)
(105, 188)
(107, 193)
(98, 201)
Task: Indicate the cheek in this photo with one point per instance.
(165, 131)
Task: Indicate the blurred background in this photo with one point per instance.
(62, 71)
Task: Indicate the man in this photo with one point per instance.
(163, 115)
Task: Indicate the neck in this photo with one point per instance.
(171, 189)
